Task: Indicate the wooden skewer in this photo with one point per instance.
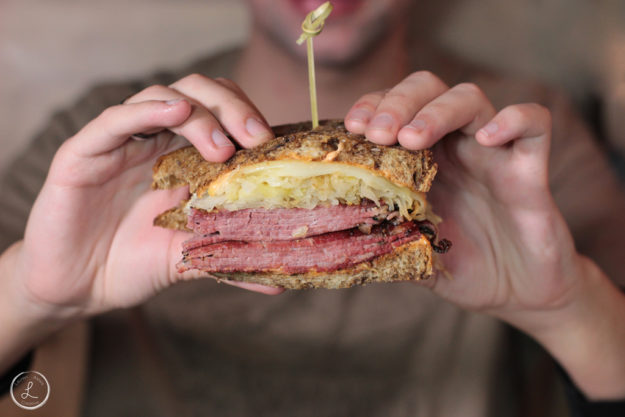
(311, 27)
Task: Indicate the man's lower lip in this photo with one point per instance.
(340, 8)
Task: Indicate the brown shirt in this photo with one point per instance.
(201, 348)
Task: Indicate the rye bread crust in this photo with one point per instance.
(329, 142)
(174, 218)
(409, 262)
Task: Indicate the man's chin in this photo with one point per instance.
(331, 58)
(332, 51)
(339, 58)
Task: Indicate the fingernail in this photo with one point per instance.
(382, 121)
(362, 115)
(489, 129)
(220, 140)
(417, 125)
(257, 129)
(172, 102)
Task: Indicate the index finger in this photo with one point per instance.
(114, 126)
(229, 105)
(381, 115)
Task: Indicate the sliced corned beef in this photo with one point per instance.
(282, 223)
(323, 253)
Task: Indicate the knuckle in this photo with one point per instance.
(154, 89)
(542, 110)
(424, 75)
(516, 113)
(470, 88)
(232, 88)
(193, 79)
(108, 113)
(548, 118)
(522, 114)
(369, 100)
(152, 92)
(227, 83)
(64, 150)
(235, 102)
(435, 112)
(428, 77)
(399, 98)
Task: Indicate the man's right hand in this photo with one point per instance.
(89, 244)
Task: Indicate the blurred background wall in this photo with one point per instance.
(52, 50)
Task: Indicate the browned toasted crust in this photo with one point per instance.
(330, 141)
(409, 262)
(174, 218)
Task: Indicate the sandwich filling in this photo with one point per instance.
(306, 184)
(321, 253)
(292, 216)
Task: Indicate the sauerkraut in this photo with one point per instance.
(300, 184)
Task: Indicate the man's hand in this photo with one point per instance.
(511, 248)
(89, 245)
(513, 255)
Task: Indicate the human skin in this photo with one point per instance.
(513, 255)
(536, 279)
(91, 223)
(352, 30)
(342, 74)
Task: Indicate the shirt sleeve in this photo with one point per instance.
(21, 181)
(580, 406)
(21, 366)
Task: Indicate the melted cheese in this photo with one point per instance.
(306, 184)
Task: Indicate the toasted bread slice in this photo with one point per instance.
(329, 142)
(174, 218)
